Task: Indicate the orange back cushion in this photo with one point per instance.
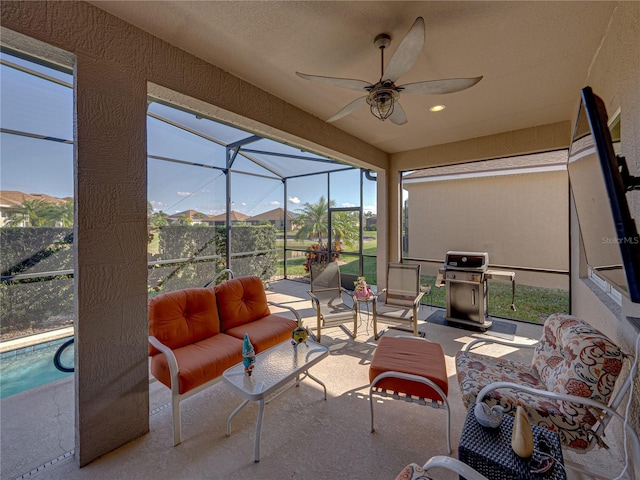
(183, 317)
(241, 300)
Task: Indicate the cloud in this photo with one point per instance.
(294, 200)
(156, 204)
(183, 194)
(275, 202)
(369, 208)
(348, 205)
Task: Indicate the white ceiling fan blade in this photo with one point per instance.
(407, 53)
(438, 87)
(351, 107)
(399, 117)
(350, 83)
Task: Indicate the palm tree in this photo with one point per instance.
(64, 213)
(39, 213)
(159, 219)
(345, 228)
(313, 220)
(185, 219)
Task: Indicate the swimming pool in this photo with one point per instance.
(29, 367)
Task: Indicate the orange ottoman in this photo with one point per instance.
(411, 368)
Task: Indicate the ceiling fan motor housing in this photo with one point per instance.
(382, 41)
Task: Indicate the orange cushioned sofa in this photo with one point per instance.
(197, 333)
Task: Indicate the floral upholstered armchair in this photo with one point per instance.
(568, 387)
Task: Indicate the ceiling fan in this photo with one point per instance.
(383, 96)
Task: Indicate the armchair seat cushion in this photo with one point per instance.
(199, 362)
(476, 371)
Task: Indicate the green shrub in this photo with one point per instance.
(43, 303)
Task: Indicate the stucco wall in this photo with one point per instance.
(116, 65)
(519, 219)
(517, 142)
(615, 77)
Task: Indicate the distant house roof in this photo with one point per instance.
(235, 217)
(520, 162)
(192, 215)
(272, 215)
(13, 198)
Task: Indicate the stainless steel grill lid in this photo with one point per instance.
(478, 261)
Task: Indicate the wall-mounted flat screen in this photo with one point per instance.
(599, 183)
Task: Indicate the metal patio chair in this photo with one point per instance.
(399, 302)
(414, 471)
(327, 298)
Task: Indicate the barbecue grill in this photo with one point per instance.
(466, 275)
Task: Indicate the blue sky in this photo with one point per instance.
(34, 165)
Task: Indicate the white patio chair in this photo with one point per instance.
(399, 302)
(327, 298)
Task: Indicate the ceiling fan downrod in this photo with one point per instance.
(383, 95)
(382, 41)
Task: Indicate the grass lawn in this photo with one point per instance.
(533, 304)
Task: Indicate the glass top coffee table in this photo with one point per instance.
(274, 369)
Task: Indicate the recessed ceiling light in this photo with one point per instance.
(437, 108)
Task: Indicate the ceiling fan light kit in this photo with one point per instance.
(381, 101)
(382, 97)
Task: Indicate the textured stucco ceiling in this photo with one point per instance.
(534, 57)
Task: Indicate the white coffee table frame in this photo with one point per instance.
(274, 369)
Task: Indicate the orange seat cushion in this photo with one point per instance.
(183, 317)
(199, 362)
(266, 333)
(241, 300)
(413, 356)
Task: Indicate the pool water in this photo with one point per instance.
(28, 368)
